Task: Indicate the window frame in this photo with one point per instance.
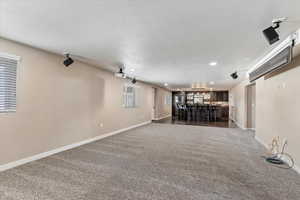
(127, 95)
(17, 59)
(168, 99)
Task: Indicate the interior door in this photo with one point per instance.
(251, 106)
(154, 93)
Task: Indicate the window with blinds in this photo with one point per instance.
(129, 97)
(8, 79)
(168, 99)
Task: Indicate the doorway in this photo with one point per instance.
(251, 105)
(154, 93)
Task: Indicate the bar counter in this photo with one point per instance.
(201, 112)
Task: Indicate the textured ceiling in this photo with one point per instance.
(164, 41)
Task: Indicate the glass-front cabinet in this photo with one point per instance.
(200, 97)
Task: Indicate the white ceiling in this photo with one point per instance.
(165, 41)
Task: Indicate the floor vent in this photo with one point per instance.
(277, 62)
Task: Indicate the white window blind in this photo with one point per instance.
(8, 79)
(129, 96)
(168, 99)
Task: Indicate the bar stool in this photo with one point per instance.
(180, 111)
(184, 112)
(205, 113)
(218, 113)
(200, 113)
(176, 113)
(196, 113)
(213, 113)
(189, 109)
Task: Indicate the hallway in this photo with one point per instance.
(157, 161)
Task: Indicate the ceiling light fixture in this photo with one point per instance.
(213, 63)
(133, 81)
(120, 73)
(68, 61)
(234, 75)
(166, 84)
(211, 82)
(270, 33)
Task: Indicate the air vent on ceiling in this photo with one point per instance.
(277, 62)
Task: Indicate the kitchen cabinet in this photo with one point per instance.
(222, 96)
(200, 97)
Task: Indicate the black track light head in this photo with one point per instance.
(68, 61)
(120, 73)
(270, 33)
(133, 81)
(234, 75)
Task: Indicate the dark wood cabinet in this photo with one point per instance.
(225, 96)
(193, 97)
(222, 96)
(213, 96)
(219, 96)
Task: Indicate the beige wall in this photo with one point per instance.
(237, 104)
(162, 109)
(277, 108)
(251, 103)
(57, 106)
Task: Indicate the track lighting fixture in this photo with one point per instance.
(68, 61)
(133, 81)
(120, 73)
(234, 75)
(270, 33)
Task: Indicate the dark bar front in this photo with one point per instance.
(202, 106)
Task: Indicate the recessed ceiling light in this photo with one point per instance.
(166, 84)
(211, 82)
(213, 63)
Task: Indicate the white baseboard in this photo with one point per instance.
(261, 142)
(169, 115)
(296, 168)
(238, 124)
(64, 148)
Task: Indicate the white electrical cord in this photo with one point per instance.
(281, 156)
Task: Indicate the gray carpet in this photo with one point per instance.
(156, 162)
